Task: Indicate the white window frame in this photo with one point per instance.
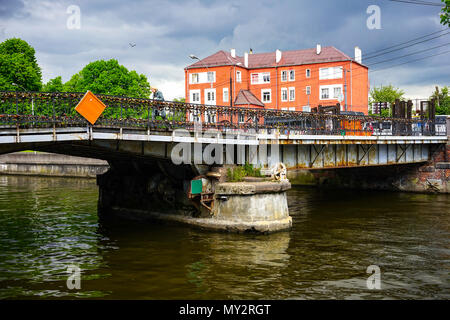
(238, 76)
(213, 73)
(291, 108)
(308, 73)
(261, 76)
(191, 78)
(202, 77)
(212, 102)
(241, 117)
(321, 93)
(226, 92)
(291, 89)
(330, 73)
(284, 90)
(284, 74)
(330, 91)
(308, 90)
(266, 91)
(210, 116)
(191, 96)
(291, 72)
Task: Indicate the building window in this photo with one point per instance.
(194, 96)
(211, 76)
(241, 117)
(238, 76)
(291, 75)
(210, 96)
(331, 91)
(284, 75)
(284, 94)
(255, 78)
(265, 95)
(337, 92)
(258, 78)
(210, 116)
(194, 77)
(330, 73)
(225, 95)
(291, 108)
(308, 90)
(308, 73)
(292, 94)
(325, 93)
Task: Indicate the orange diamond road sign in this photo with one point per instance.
(90, 107)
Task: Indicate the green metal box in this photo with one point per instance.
(196, 186)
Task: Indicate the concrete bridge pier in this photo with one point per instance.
(160, 190)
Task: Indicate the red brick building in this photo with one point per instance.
(290, 80)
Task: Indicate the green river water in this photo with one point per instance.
(47, 224)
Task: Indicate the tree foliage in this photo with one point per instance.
(18, 65)
(385, 94)
(109, 77)
(54, 85)
(442, 99)
(445, 13)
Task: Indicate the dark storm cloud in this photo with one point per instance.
(166, 32)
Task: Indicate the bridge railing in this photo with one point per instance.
(40, 109)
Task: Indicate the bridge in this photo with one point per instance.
(156, 149)
(133, 127)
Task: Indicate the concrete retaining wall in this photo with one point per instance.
(50, 164)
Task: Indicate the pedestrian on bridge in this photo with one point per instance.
(157, 95)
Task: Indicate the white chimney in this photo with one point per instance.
(318, 49)
(277, 56)
(233, 53)
(358, 55)
(246, 60)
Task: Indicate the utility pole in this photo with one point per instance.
(231, 89)
(345, 89)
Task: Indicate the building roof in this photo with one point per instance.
(264, 60)
(220, 58)
(245, 97)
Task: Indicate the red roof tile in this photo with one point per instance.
(261, 60)
(245, 97)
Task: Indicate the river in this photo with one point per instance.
(48, 224)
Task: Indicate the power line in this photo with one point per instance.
(407, 46)
(424, 3)
(427, 35)
(407, 55)
(433, 55)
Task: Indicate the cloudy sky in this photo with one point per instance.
(166, 32)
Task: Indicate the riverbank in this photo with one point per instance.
(51, 164)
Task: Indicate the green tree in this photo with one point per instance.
(18, 65)
(109, 77)
(53, 85)
(445, 13)
(385, 94)
(442, 99)
(181, 99)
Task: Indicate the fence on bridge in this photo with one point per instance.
(38, 109)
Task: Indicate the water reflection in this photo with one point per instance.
(47, 224)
